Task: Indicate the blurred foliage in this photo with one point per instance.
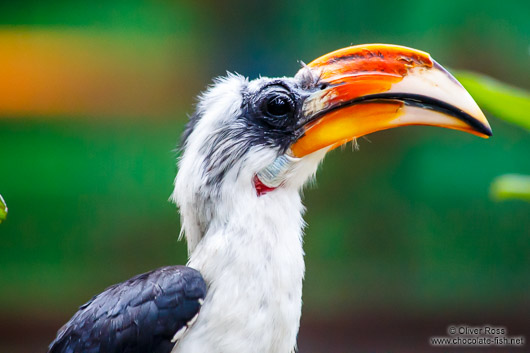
(504, 101)
(3, 209)
(508, 103)
(511, 186)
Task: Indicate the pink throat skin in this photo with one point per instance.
(261, 189)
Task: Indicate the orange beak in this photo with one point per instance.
(367, 88)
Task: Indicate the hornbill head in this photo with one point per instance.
(253, 138)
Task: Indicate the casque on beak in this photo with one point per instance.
(367, 88)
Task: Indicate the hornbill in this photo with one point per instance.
(247, 151)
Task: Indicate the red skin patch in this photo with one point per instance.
(261, 189)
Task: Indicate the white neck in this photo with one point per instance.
(251, 257)
(248, 248)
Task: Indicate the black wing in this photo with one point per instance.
(137, 316)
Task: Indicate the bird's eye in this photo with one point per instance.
(279, 106)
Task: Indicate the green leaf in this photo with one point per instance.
(504, 101)
(511, 186)
(3, 209)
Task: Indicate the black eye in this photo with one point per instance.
(279, 106)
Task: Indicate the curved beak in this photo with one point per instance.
(367, 88)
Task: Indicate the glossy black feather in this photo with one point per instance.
(137, 316)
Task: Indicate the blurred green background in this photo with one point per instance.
(403, 238)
